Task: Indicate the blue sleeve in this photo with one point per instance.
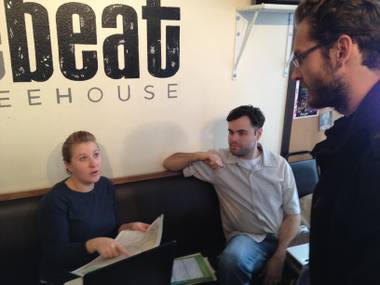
(112, 188)
(54, 227)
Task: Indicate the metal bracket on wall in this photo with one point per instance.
(245, 21)
(2, 70)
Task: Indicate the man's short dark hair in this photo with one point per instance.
(253, 113)
(359, 19)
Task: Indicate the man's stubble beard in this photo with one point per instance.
(332, 93)
(244, 152)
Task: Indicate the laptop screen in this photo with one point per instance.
(150, 267)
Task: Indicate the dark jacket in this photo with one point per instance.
(345, 219)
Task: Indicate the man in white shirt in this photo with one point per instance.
(258, 198)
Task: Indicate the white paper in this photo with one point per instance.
(134, 242)
(187, 269)
(300, 253)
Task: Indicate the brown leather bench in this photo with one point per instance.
(190, 207)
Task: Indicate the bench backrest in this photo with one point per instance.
(190, 207)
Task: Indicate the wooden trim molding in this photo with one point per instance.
(149, 176)
(289, 110)
(288, 117)
(23, 194)
(116, 181)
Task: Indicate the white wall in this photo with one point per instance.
(138, 134)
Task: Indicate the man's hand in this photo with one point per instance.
(106, 247)
(273, 269)
(137, 226)
(180, 160)
(212, 159)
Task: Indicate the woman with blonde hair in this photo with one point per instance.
(78, 216)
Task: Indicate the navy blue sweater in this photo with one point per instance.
(67, 220)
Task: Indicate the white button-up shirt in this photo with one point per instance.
(254, 196)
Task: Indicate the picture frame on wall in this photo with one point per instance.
(301, 108)
(286, 2)
(325, 120)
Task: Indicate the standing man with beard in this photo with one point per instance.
(337, 56)
(258, 199)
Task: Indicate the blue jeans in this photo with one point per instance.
(243, 257)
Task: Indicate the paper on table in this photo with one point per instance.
(134, 242)
(300, 253)
(192, 269)
(184, 269)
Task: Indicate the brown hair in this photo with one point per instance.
(75, 138)
(329, 19)
(254, 114)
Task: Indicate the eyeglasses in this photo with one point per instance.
(298, 59)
